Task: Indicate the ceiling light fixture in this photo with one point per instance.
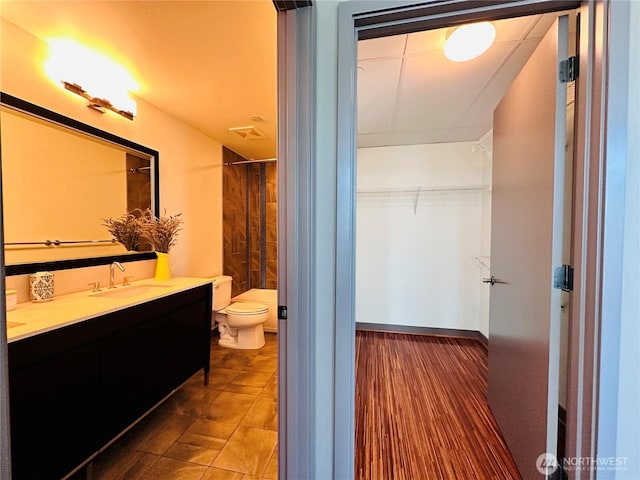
(469, 41)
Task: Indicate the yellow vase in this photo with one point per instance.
(163, 271)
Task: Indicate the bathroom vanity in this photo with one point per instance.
(85, 366)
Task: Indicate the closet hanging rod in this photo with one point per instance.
(263, 160)
(55, 243)
(416, 190)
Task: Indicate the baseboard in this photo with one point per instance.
(413, 330)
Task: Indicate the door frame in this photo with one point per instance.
(295, 243)
(363, 20)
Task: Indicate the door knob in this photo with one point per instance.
(492, 280)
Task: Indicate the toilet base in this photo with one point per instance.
(246, 339)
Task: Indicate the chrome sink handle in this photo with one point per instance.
(95, 286)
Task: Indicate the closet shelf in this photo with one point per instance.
(415, 192)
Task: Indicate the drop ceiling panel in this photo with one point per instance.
(435, 92)
(372, 139)
(514, 29)
(377, 87)
(542, 25)
(439, 100)
(427, 41)
(480, 110)
(381, 47)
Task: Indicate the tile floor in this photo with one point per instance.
(226, 430)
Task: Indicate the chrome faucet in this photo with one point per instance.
(112, 273)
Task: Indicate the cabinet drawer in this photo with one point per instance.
(131, 317)
(33, 350)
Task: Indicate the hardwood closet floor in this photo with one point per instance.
(421, 410)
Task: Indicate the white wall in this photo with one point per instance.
(190, 162)
(415, 262)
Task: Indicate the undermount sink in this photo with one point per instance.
(131, 291)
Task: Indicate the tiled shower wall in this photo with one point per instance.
(250, 223)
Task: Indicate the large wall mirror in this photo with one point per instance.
(60, 180)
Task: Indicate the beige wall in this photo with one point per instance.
(190, 162)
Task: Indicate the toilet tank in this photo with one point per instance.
(221, 292)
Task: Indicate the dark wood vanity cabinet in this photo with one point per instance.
(54, 387)
(147, 351)
(74, 389)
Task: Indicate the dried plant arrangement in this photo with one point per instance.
(161, 232)
(125, 229)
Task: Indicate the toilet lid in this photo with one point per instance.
(246, 308)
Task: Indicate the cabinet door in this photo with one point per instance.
(147, 360)
(52, 406)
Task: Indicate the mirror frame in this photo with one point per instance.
(22, 106)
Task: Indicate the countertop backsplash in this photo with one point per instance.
(78, 279)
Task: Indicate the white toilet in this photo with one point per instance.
(241, 323)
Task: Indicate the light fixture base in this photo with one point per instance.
(95, 103)
(96, 106)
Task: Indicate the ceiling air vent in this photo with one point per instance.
(248, 133)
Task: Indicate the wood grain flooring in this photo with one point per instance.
(421, 410)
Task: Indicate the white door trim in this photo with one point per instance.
(615, 259)
(295, 245)
(589, 197)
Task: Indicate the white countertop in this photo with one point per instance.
(36, 318)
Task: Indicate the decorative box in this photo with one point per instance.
(41, 286)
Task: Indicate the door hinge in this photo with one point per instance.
(282, 312)
(563, 278)
(568, 70)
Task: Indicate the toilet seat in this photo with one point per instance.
(246, 308)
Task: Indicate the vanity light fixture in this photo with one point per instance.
(93, 75)
(99, 104)
(469, 41)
